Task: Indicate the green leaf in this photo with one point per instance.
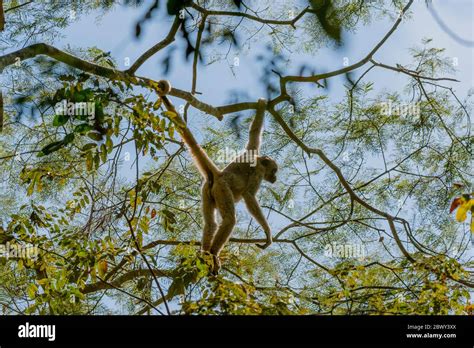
(323, 11)
(140, 238)
(109, 144)
(89, 146)
(276, 195)
(95, 136)
(83, 128)
(60, 120)
(103, 153)
(99, 111)
(51, 148)
(176, 288)
(170, 114)
(68, 138)
(89, 161)
(97, 160)
(31, 187)
(31, 290)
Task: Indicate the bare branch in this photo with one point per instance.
(290, 22)
(316, 78)
(411, 73)
(158, 47)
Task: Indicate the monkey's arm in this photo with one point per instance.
(255, 210)
(255, 133)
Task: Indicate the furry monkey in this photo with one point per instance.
(241, 179)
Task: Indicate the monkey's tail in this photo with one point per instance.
(205, 165)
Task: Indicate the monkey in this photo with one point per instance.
(222, 189)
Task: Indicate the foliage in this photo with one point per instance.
(110, 196)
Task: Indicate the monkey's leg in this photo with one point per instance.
(208, 213)
(225, 203)
(254, 209)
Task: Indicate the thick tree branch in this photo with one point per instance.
(64, 57)
(109, 73)
(89, 288)
(198, 243)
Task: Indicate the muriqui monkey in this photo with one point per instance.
(241, 179)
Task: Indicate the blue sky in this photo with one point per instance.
(115, 32)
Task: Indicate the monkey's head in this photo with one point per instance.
(270, 168)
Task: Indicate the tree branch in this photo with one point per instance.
(411, 73)
(101, 285)
(159, 46)
(342, 180)
(315, 78)
(109, 73)
(290, 22)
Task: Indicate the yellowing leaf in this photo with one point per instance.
(170, 114)
(102, 267)
(461, 213)
(42, 281)
(109, 144)
(31, 290)
(157, 104)
(93, 274)
(31, 188)
(103, 153)
(89, 161)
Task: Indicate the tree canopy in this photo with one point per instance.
(97, 184)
